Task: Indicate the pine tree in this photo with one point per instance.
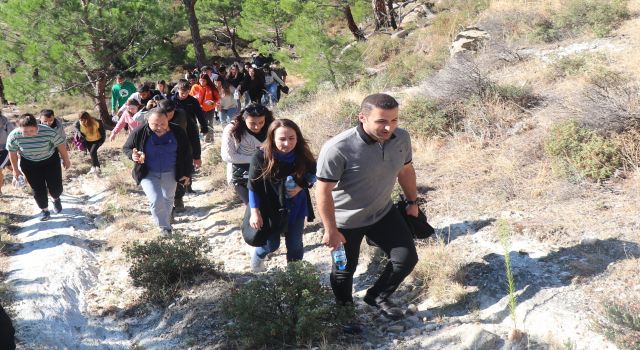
(263, 21)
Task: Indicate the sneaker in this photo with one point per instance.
(386, 307)
(178, 205)
(98, 171)
(165, 232)
(45, 215)
(57, 205)
(257, 263)
(93, 170)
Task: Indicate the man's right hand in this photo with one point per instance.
(332, 238)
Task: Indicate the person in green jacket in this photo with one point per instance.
(120, 92)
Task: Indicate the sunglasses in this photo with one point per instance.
(255, 109)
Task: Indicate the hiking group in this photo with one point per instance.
(269, 165)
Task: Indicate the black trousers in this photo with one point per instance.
(43, 176)
(92, 147)
(392, 235)
(7, 332)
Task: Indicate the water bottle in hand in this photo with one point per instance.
(289, 184)
(19, 182)
(340, 257)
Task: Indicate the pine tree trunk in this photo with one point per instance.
(190, 7)
(3, 100)
(232, 37)
(380, 13)
(101, 102)
(392, 14)
(353, 27)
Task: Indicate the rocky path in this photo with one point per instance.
(51, 272)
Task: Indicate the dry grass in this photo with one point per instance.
(440, 273)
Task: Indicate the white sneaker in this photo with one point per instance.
(257, 264)
(97, 171)
(93, 170)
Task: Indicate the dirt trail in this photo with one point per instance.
(51, 272)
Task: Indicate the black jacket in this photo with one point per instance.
(191, 106)
(103, 133)
(189, 126)
(271, 190)
(254, 86)
(137, 140)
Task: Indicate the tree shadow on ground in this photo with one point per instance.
(557, 269)
(56, 240)
(453, 231)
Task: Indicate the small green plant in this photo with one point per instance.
(579, 151)
(285, 306)
(504, 234)
(424, 117)
(163, 265)
(621, 324)
(522, 96)
(441, 275)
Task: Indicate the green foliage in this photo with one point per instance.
(284, 307)
(380, 48)
(522, 96)
(163, 265)
(579, 151)
(424, 117)
(263, 21)
(74, 44)
(599, 17)
(504, 234)
(622, 325)
(321, 55)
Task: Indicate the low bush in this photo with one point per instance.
(599, 17)
(578, 151)
(163, 265)
(610, 101)
(621, 324)
(283, 307)
(522, 96)
(425, 117)
(441, 274)
(380, 48)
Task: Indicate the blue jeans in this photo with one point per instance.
(227, 114)
(292, 239)
(273, 91)
(160, 189)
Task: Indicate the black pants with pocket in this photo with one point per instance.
(92, 147)
(43, 176)
(392, 235)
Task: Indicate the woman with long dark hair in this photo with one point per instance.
(285, 153)
(93, 136)
(240, 140)
(207, 94)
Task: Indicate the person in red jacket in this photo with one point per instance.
(208, 97)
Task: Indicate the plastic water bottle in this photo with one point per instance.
(20, 182)
(289, 184)
(340, 257)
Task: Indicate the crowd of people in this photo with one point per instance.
(353, 175)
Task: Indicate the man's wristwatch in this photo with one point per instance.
(411, 202)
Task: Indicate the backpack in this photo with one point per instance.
(78, 142)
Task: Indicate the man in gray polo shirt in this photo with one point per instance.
(357, 171)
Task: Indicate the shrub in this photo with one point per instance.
(522, 96)
(579, 151)
(380, 48)
(441, 275)
(163, 265)
(285, 306)
(621, 324)
(611, 101)
(424, 117)
(597, 16)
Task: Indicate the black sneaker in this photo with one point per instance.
(386, 307)
(178, 205)
(57, 205)
(45, 215)
(165, 232)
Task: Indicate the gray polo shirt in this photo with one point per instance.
(365, 172)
